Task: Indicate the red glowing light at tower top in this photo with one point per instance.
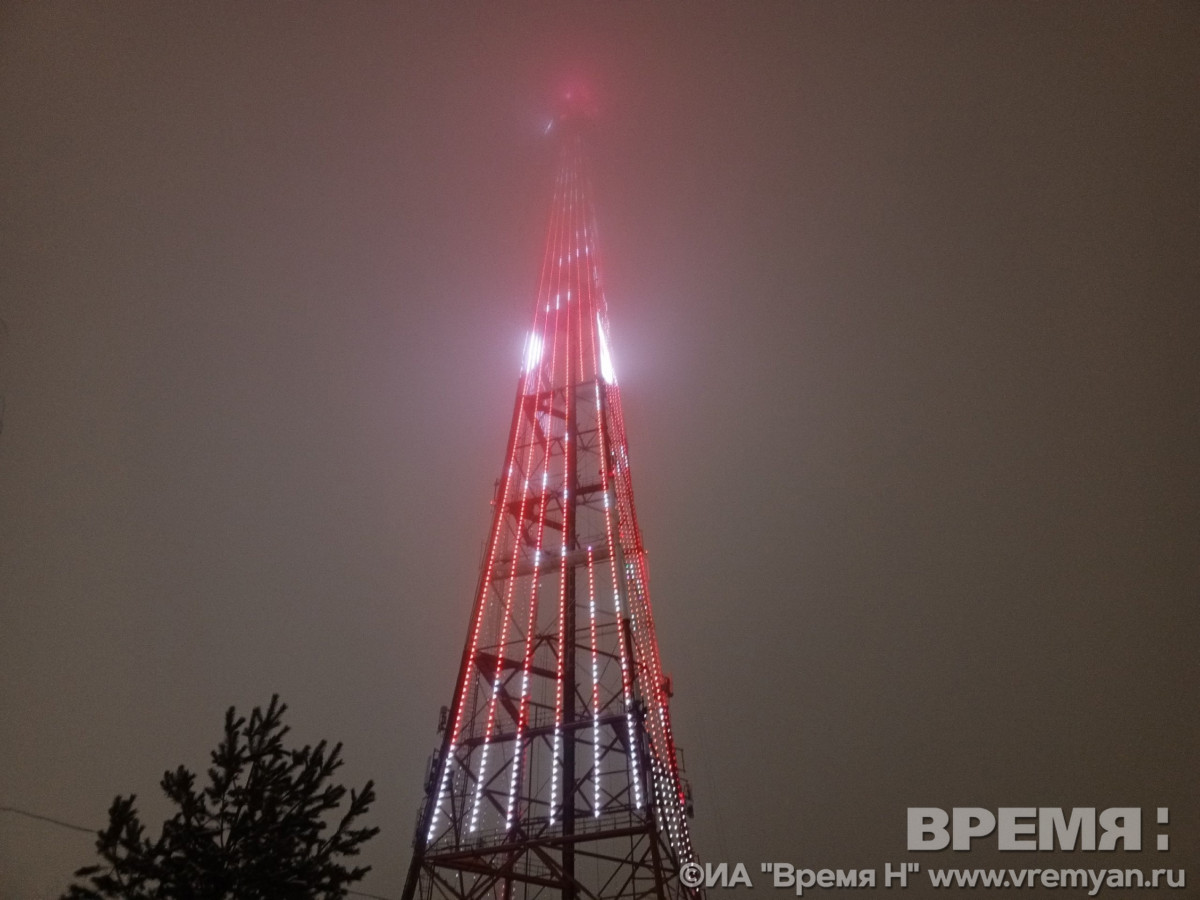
(576, 103)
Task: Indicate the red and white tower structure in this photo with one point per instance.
(558, 774)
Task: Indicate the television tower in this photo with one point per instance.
(557, 775)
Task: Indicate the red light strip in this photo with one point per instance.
(611, 510)
(626, 674)
(663, 759)
(669, 786)
(548, 271)
(467, 680)
(570, 275)
(563, 637)
(530, 633)
(646, 651)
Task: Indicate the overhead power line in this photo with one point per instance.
(58, 822)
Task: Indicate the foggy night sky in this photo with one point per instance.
(904, 310)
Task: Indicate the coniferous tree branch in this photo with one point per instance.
(257, 831)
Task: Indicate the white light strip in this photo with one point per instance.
(635, 776)
(533, 350)
(606, 365)
(596, 802)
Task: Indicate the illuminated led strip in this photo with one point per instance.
(480, 607)
(662, 743)
(558, 689)
(511, 581)
(571, 277)
(596, 802)
(586, 307)
(668, 791)
(531, 630)
(626, 678)
(606, 365)
(662, 762)
(665, 772)
(609, 512)
(651, 682)
(500, 657)
(669, 788)
(586, 298)
(571, 260)
(560, 674)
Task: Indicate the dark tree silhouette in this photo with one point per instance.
(258, 831)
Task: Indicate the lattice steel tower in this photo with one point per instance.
(557, 774)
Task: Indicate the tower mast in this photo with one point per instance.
(557, 775)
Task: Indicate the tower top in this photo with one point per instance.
(575, 107)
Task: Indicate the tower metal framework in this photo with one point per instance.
(557, 775)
